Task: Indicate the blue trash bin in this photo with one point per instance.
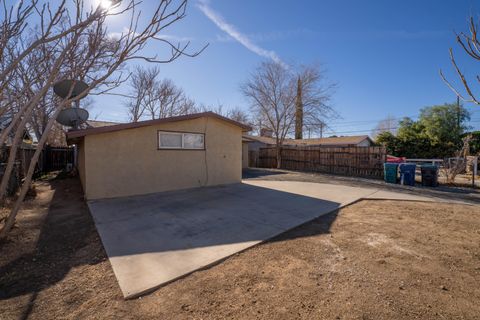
(407, 173)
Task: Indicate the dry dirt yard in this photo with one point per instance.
(371, 260)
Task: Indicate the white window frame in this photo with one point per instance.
(182, 134)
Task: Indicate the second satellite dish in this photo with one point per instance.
(72, 117)
(62, 88)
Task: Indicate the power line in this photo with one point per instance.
(370, 121)
(378, 120)
(370, 130)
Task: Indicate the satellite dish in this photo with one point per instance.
(63, 87)
(72, 117)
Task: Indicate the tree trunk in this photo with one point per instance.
(17, 140)
(279, 157)
(28, 179)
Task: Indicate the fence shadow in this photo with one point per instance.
(250, 173)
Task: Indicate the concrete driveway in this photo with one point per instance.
(154, 239)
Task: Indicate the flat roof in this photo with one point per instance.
(132, 125)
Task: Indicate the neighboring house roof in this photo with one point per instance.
(333, 141)
(336, 141)
(139, 124)
(97, 124)
(266, 140)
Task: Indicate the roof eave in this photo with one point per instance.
(132, 125)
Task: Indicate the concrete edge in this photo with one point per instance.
(444, 201)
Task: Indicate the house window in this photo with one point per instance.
(181, 140)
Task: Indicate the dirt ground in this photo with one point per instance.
(371, 260)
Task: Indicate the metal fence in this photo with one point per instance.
(353, 161)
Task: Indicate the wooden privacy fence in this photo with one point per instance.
(57, 158)
(51, 159)
(23, 159)
(354, 161)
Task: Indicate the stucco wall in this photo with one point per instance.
(81, 164)
(128, 162)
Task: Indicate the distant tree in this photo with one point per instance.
(437, 133)
(152, 98)
(412, 142)
(278, 95)
(445, 124)
(389, 141)
(239, 115)
(143, 82)
(389, 124)
(235, 113)
(271, 91)
(299, 111)
(316, 98)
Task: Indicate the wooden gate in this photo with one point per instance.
(57, 158)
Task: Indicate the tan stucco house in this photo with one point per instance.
(196, 150)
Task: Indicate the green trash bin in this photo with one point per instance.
(390, 172)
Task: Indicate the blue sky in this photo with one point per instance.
(384, 55)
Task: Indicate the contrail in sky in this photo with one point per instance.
(232, 31)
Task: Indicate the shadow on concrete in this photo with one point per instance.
(65, 230)
(250, 173)
(200, 218)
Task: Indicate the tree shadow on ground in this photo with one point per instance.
(66, 229)
(68, 236)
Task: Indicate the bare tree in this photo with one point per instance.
(239, 115)
(278, 95)
(235, 113)
(143, 82)
(80, 49)
(169, 101)
(271, 91)
(154, 98)
(452, 167)
(470, 44)
(389, 124)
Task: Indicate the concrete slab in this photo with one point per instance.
(157, 238)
